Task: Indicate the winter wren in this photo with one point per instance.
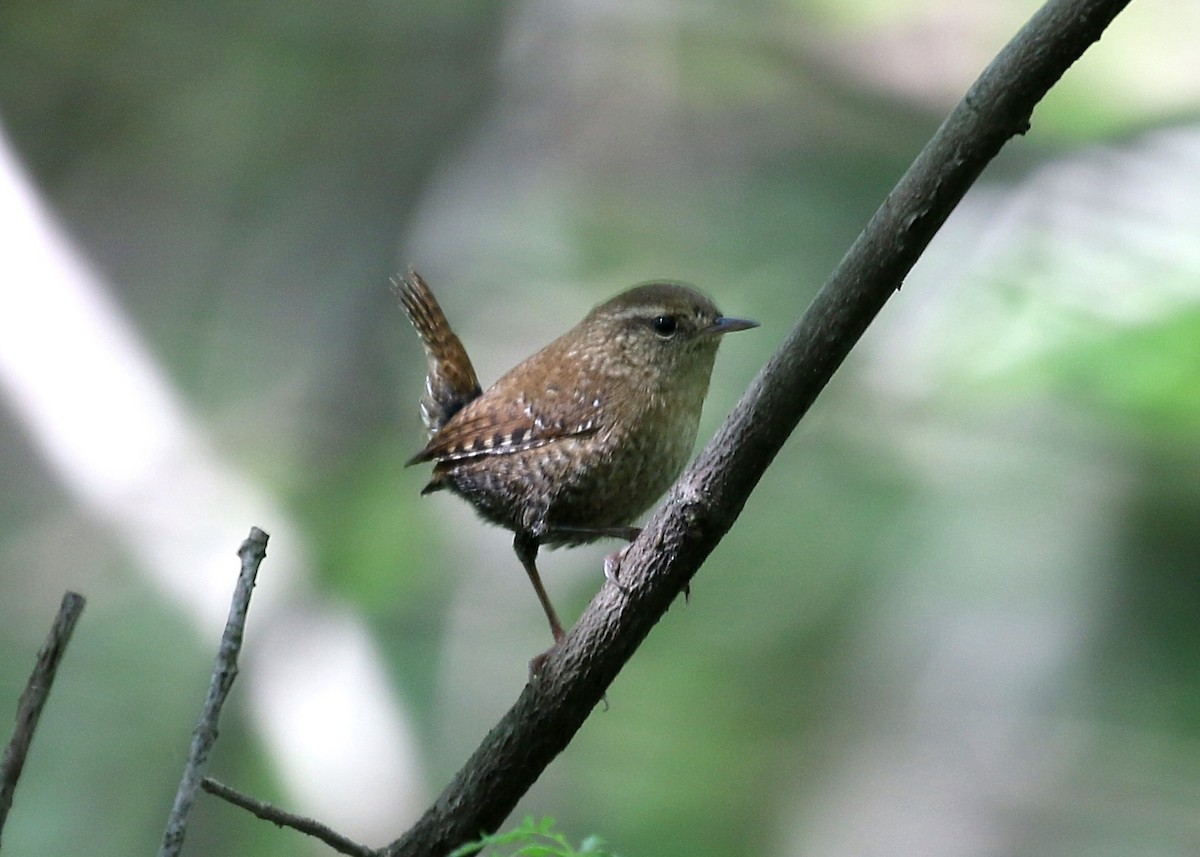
(575, 442)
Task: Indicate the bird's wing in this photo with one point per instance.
(494, 425)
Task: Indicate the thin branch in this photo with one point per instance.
(252, 552)
(33, 698)
(282, 818)
(707, 499)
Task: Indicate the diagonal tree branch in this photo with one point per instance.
(707, 499)
(33, 699)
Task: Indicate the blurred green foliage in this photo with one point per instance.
(536, 839)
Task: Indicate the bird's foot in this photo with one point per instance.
(539, 661)
(612, 568)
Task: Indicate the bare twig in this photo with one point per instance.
(33, 699)
(252, 551)
(707, 499)
(282, 818)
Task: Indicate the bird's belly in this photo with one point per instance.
(588, 481)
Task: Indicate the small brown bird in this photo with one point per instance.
(575, 442)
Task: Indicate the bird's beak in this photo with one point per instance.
(724, 324)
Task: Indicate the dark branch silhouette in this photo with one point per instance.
(707, 499)
(33, 698)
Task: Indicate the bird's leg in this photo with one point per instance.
(526, 547)
(589, 533)
(612, 562)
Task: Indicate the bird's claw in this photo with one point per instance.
(612, 568)
(537, 662)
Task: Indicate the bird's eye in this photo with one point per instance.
(664, 325)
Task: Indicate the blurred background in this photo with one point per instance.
(961, 614)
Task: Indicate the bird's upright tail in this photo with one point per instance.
(450, 381)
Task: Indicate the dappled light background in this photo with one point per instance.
(960, 615)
